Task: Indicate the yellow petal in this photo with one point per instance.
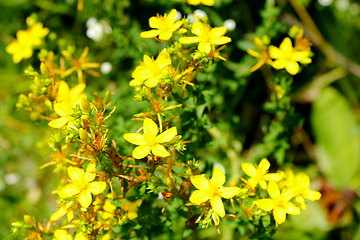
(258, 42)
(200, 182)
(167, 136)
(299, 55)
(265, 204)
(204, 47)
(199, 196)
(90, 172)
(153, 81)
(286, 45)
(292, 67)
(194, 2)
(75, 174)
(63, 91)
(134, 138)
(81, 236)
(279, 215)
(155, 22)
(257, 66)
(58, 123)
(69, 191)
(302, 180)
(208, 2)
(163, 60)
(218, 177)
(141, 152)
(290, 208)
(263, 184)
(288, 193)
(273, 190)
(61, 234)
(280, 64)
(150, 34)
(85, 198)
(221, 40)
(299, 200)
(176, 26)
(70, 215)
(58, 214)
(132, 215)
(218, 205)
(273, 176)
(228, 192)
(96, 187)
(76, 91)
(198, 28)
(274, 52)
(150, 127)
(165, 35)
(312, 195)
(253, 53)
(189, 40)
(171, 16)
(218, 31)
(63, 108)
(264, 165)
(252, 182)
(249, 169)
(160, 151)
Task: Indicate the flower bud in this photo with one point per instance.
(84, 136)
(29, 220)
(44, 70)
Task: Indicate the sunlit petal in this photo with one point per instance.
(199, 196)
(229, 192)
(218, 206)
(200, 182)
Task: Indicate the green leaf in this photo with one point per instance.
(337, 138)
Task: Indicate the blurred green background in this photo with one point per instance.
(322, 138)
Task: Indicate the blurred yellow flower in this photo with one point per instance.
(80, 65)
(206, 37)
(279, 203)
(164, 25)
(213, 190)
(301, 183)
(263, 54)
(287, 57)
(131, 208)
(151, 71)
(82, 184)
(108, 210)
(150, 141)
(205, 2)
(259, 175)
(22, 47)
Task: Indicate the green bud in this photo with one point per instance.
(84, 136)
(29, 220)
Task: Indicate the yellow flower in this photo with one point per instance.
(205, 2)
(263, 55)
(81, 236)
(148, 141)
(151, 71)
(206, 37)
(61, 234)
(213, 190)
(108, 210)
(67, 99)
(80, 65)
(37, 32)
(82, 184)
(279, 202)
(63, 210)
(287, 57)
(73, 95)
(259, 175)
(131, 208)
(165, 26)
(20, 48)
(301, 183)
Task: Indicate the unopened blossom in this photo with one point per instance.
(164, 26)
(212, 190)
(278, 202)
(287, 57)
(150, 141)
(206, 37)
(83, 185)
(259, 175)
